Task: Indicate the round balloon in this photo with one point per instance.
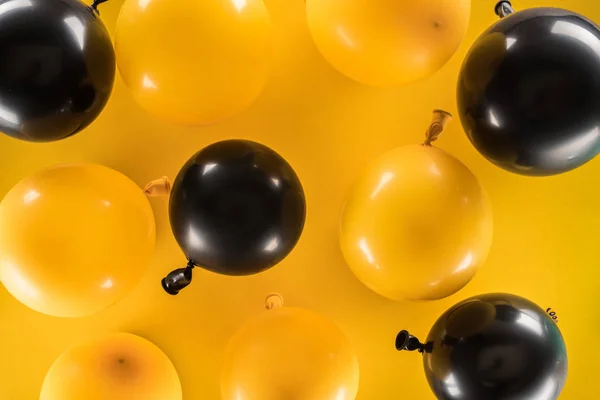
(387, 42)
(417, 224)
(528, 94)
(495, 347)
(289, 353)
(236, 208)
(194, 62)
(57, 70)
(118, 367)
(74, 239)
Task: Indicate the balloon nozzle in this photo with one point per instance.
(178, 279)
(406, 341)
(503, 8)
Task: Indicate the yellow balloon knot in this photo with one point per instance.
(438, 122)
(273, 300)
(158, 187)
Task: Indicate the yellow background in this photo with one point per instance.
(546, 238)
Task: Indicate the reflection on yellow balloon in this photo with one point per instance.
(417, 224)
(74, 239)
(116, 367)
(194, 62)
(388, 42)
(289, 353)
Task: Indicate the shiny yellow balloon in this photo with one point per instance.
(74, 239)
(388, 42)
(116, 367)
(194, 62)
(289, 353)
(417, 224)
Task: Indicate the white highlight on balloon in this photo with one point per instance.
(386, 177)
(77, 29)
(578, 33)
(465, 263)
(208, 167)
(9, 116)
(31, 196)
(107, 284)
(509, 42)
(530, 323)
(452, 386)
(344, 35)
(14, 5)
(239, 4)
(272, 244)
(148, 83)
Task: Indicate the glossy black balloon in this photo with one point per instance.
(57, 69)
(237, 208)
(493, 347)
(529, 92)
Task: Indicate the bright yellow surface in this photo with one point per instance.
(329, 128)
(74, 239)
(388, 42)
(289, 353)
(417, 224)
(117, 367)
(194, 62)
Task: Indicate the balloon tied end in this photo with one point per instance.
(95, 5)
(158, 187)
(273, 300)
(438, 122)
(406, 341)
(178, 279)
(503, 8)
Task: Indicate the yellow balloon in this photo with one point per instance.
(388, 42)
(74, 239)
(194, 62)
(289, 353)
(116, 367)
(417, 224)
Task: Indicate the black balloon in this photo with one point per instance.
(493, 347)
(529, 91)
(57, 69)
(236, 208)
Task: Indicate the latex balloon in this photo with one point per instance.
(194, 62)
(118, 367)
(57, 70)
(417, 224)
(387, 42)
(289, 353)
(495, 347)
(528, 94)
(236, 208)
(74, 239)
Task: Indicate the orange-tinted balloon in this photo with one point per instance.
(194, 62)
(116, 367)
(417, 225)
(289, 353)
(388, 42)
(74, 239)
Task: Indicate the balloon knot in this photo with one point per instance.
(438, 122)
(95, 5)
(158, 187)
(273, 300)
(503, 8)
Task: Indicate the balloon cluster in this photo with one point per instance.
(416, 226)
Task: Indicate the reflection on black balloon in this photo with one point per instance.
(529, 92)
(236, 208)
(57, 70)
(505, 348)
